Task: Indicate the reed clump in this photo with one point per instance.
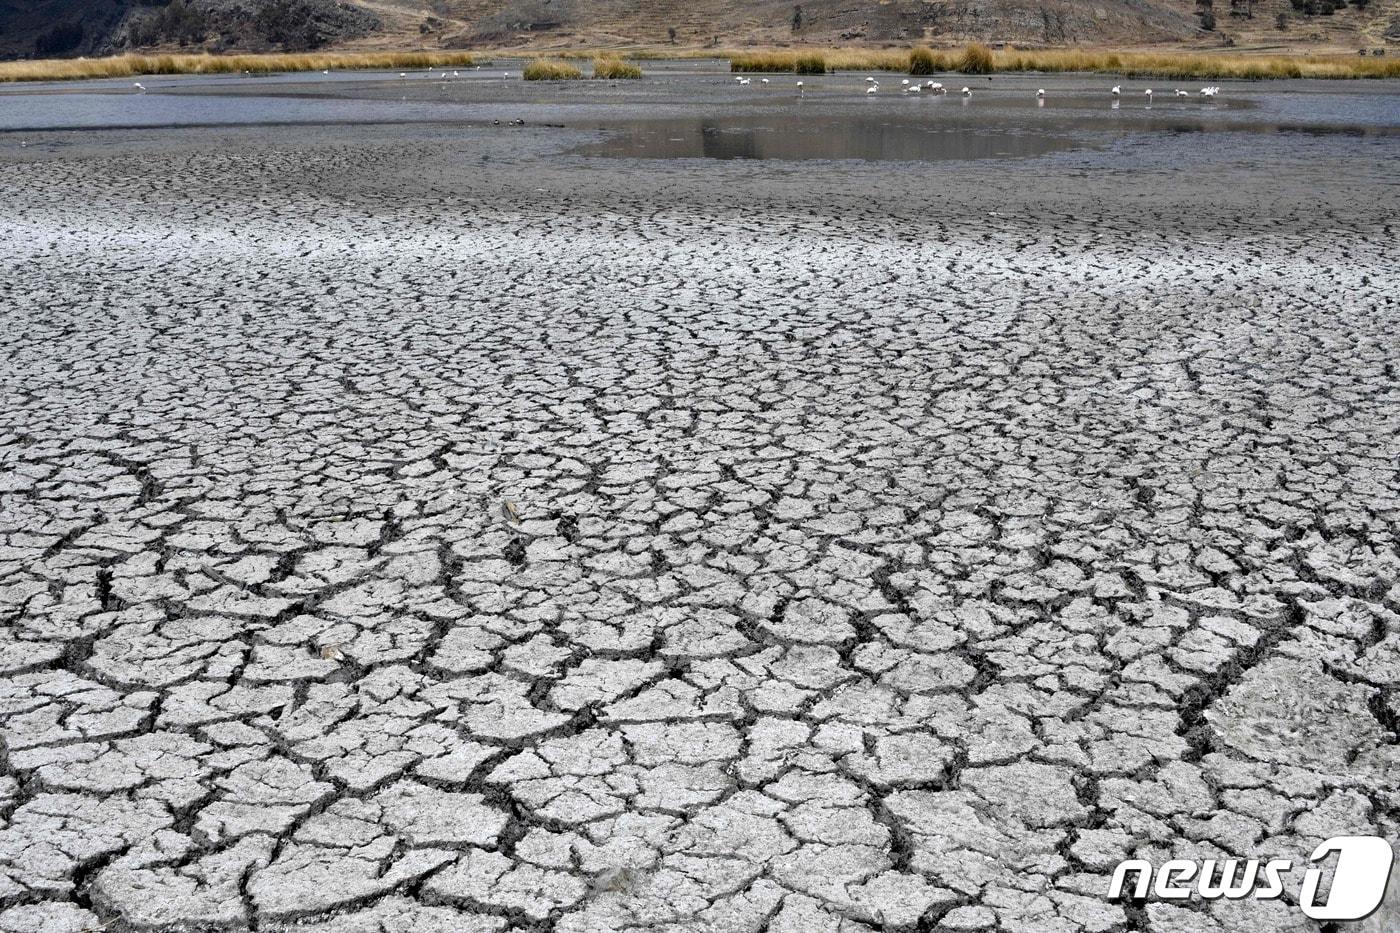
(125, 66)
(976, 59)
(925, 61)
(546, 69)
(612, 67)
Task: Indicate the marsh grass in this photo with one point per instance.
(545, 69)
(976, 59)
(1186, 65)
(125, 66)
(1167, 64)
(925, 61)
(612, 67)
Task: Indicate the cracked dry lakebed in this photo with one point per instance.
(698, 507)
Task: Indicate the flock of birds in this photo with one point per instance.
(872, 86)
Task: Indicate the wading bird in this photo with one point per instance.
(1148, 92)
(966, 91)
(1116, 90)
(1181, 93)
(139, 87)
(872, 89)
(1040, 93)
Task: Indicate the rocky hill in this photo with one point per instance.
(86, 27)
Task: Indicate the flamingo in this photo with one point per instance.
(799, 87)
(869, 80)
(872, 89)
(1040, 93)
(1181, 93)
(141, 88)
(1148, 92)
(1116, 90)
(966, 91)
(763, 80)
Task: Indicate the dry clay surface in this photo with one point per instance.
(423, 530)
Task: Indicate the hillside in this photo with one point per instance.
(89, 27)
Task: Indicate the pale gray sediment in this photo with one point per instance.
(418, 529)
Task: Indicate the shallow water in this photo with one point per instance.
(697, 110)
(797, 137)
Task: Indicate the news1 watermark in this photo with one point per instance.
(1358, 881)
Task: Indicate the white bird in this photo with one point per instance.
(967, 92)
(912, 89)
(872, 89)
(739, 79)
(1181, 93)
(935, 86)
(1209, 91)
(1148, 92)
(869, 80)
(140, 87)
(799, 87)
(454, 74)
(1040, 92)
(763, 80)
(402, 75)
(325, 72)
(1116, 90)
(905, 81)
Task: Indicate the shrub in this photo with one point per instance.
(610, 66)
(923, 61)
(543, 69)
(976, 60)
(809, 63)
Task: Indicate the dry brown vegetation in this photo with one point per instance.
(921, 60)
(977, 59)
(613, 67)
(123, 66)
(546, 69)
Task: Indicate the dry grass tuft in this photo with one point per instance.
(976, 59)
(610, 66)
(544, 69)
(126, 66)
(925, 61)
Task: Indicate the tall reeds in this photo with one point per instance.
(124, 66)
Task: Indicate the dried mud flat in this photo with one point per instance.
(421, 528)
